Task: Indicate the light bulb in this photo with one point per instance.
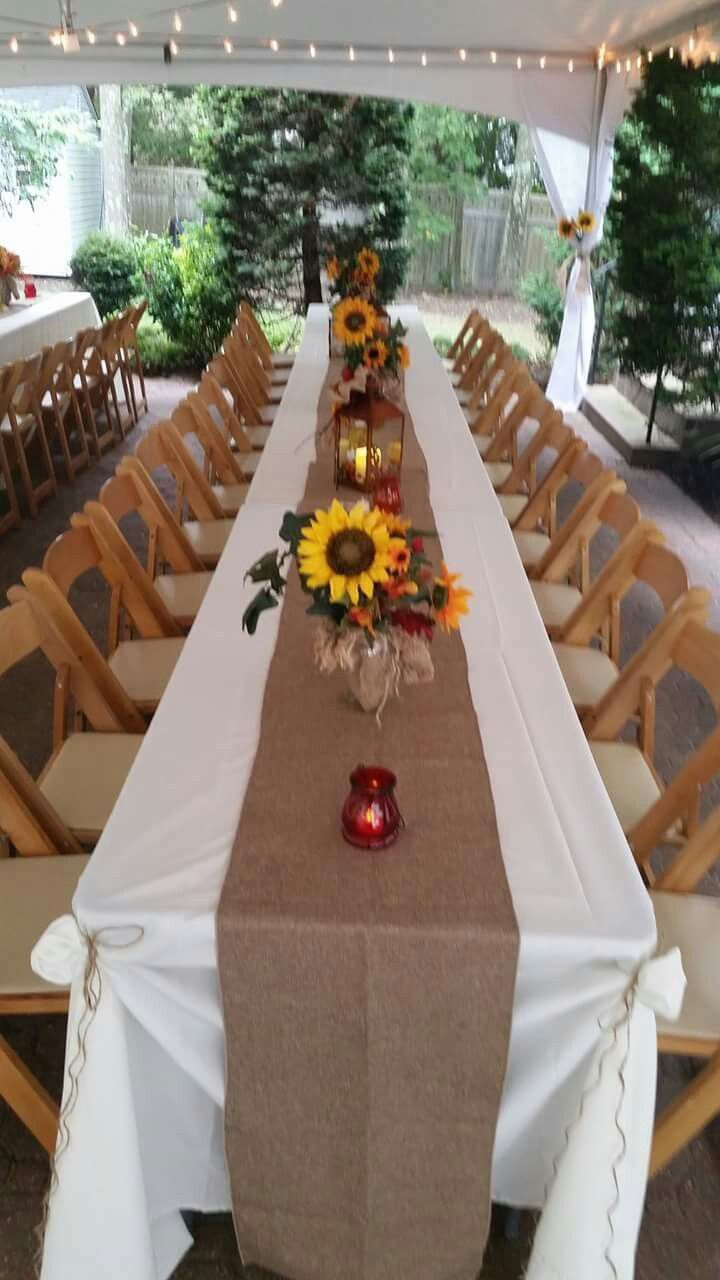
(228, 46)
(650, 55)
(691, 44)
(14, 46)
(463, 55)
(618, 66)
(232, 13)
(493, 57)
(671, 52)
(351, 54)
(518, 64)
(312, 51)
(276, 4)
(173, 49)
(90, 36)
(132, 28)
(120, 37)
(391, 56)
(543, 60)
(423, 60)
(177, 22)
(55, 38)
(628, 64)
(571, 65)
(274, 46)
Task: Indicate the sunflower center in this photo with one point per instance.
(355, 321)
(351, 551)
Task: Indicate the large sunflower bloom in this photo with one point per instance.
(353, 321)
(586, 221)
(567, 228)
(449, 601)
(347, 551)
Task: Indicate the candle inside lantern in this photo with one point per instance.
(344, 448)
(361, 464)
(370, 817)
(395, 452)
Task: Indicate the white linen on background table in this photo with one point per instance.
(147, 1125)
(27, 327)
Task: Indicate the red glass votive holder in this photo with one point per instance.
(370, 817)
(387, 496)
(30, 289)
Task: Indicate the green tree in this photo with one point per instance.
(31, 141)
(164, 120)
(665, 217)
(283, 166)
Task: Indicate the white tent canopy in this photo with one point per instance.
(530, 62)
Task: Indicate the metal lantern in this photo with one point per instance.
(369, 434)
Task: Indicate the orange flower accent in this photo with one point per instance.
(404, 356)
(396, 525)
(455, 603)
(396, 588)
(362, 618)
(567, 228)
(399, 556)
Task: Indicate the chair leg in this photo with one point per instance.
(27, 1097)
(12, 515)
(141, 375)
(687, 1116)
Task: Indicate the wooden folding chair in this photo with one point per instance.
(112, 367)
(513, 382)
(691, 921)
(240, 434)
(277, 360)
(207, 501)
(651, 814)
(182, 590)
(463, 345)
(33, 893)
(128, 332)
(588, 644)
(560, 585)
(142, 666)
(249, 371)
(71, 801)
(473, 382)
(21, 392)
(221, 461)
(136, 609)
(206, 532)
(95, 391)
(60, 408)
(11, 517)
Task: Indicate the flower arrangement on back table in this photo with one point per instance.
(9, 269)
(356, 275)
(374, 591)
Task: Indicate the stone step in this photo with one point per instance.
(625, 427)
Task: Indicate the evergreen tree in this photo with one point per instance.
(665, 218)
(280, 163)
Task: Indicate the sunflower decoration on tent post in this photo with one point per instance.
(377, 599)
(577, 229)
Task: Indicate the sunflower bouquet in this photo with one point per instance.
(9, 269)
(577, 228)
(355, 276)
(375, 593)
(368, 343)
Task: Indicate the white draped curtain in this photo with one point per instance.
(578, 175)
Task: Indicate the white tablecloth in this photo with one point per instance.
(28, 326)
(146, 1128)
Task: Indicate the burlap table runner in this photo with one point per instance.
(367, 997)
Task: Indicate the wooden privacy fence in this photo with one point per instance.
(158, 192)
(467, 256)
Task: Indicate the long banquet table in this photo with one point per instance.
(146, 1126)
(28, 326)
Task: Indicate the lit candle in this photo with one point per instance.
(361, 464)
(344, 446)
(395, 452)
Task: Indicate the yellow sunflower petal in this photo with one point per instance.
(353, 589)
(337, 587)
(367, 585)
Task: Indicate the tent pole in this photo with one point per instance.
(598, 106)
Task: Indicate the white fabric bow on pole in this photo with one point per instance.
(599, 1188)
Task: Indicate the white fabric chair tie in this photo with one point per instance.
(600, 1176)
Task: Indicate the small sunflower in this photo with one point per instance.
(332, 268)
(586, 221)
(449, 601)
(376, 354)
(368, 262)
(347, 551)
(397, 525)
(400, 557)
(404, 356)
(567, 228)
(353, 321)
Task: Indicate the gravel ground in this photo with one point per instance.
(681, 1228)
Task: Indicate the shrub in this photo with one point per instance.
(442, 344)
(521, 353)
(541, 291)
(185, 291)
(160, 355)
(106, 267)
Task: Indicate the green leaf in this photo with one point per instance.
(267, 569)
(323, 607)
(291, 529)
(262, 601)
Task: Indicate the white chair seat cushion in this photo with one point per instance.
(628, 778)
(463, 396)
(588, 673)
(498, 472)
(208, 537)
(279, 378)
(258, 436)
(33, 893)
(513, 505)
(556, 601)
(183, 593)
(691, 922)
(283, 359)
(248, 462)
(86, 777)
(531, 545)
(144, 667)
(482, 444)
(230, 496)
